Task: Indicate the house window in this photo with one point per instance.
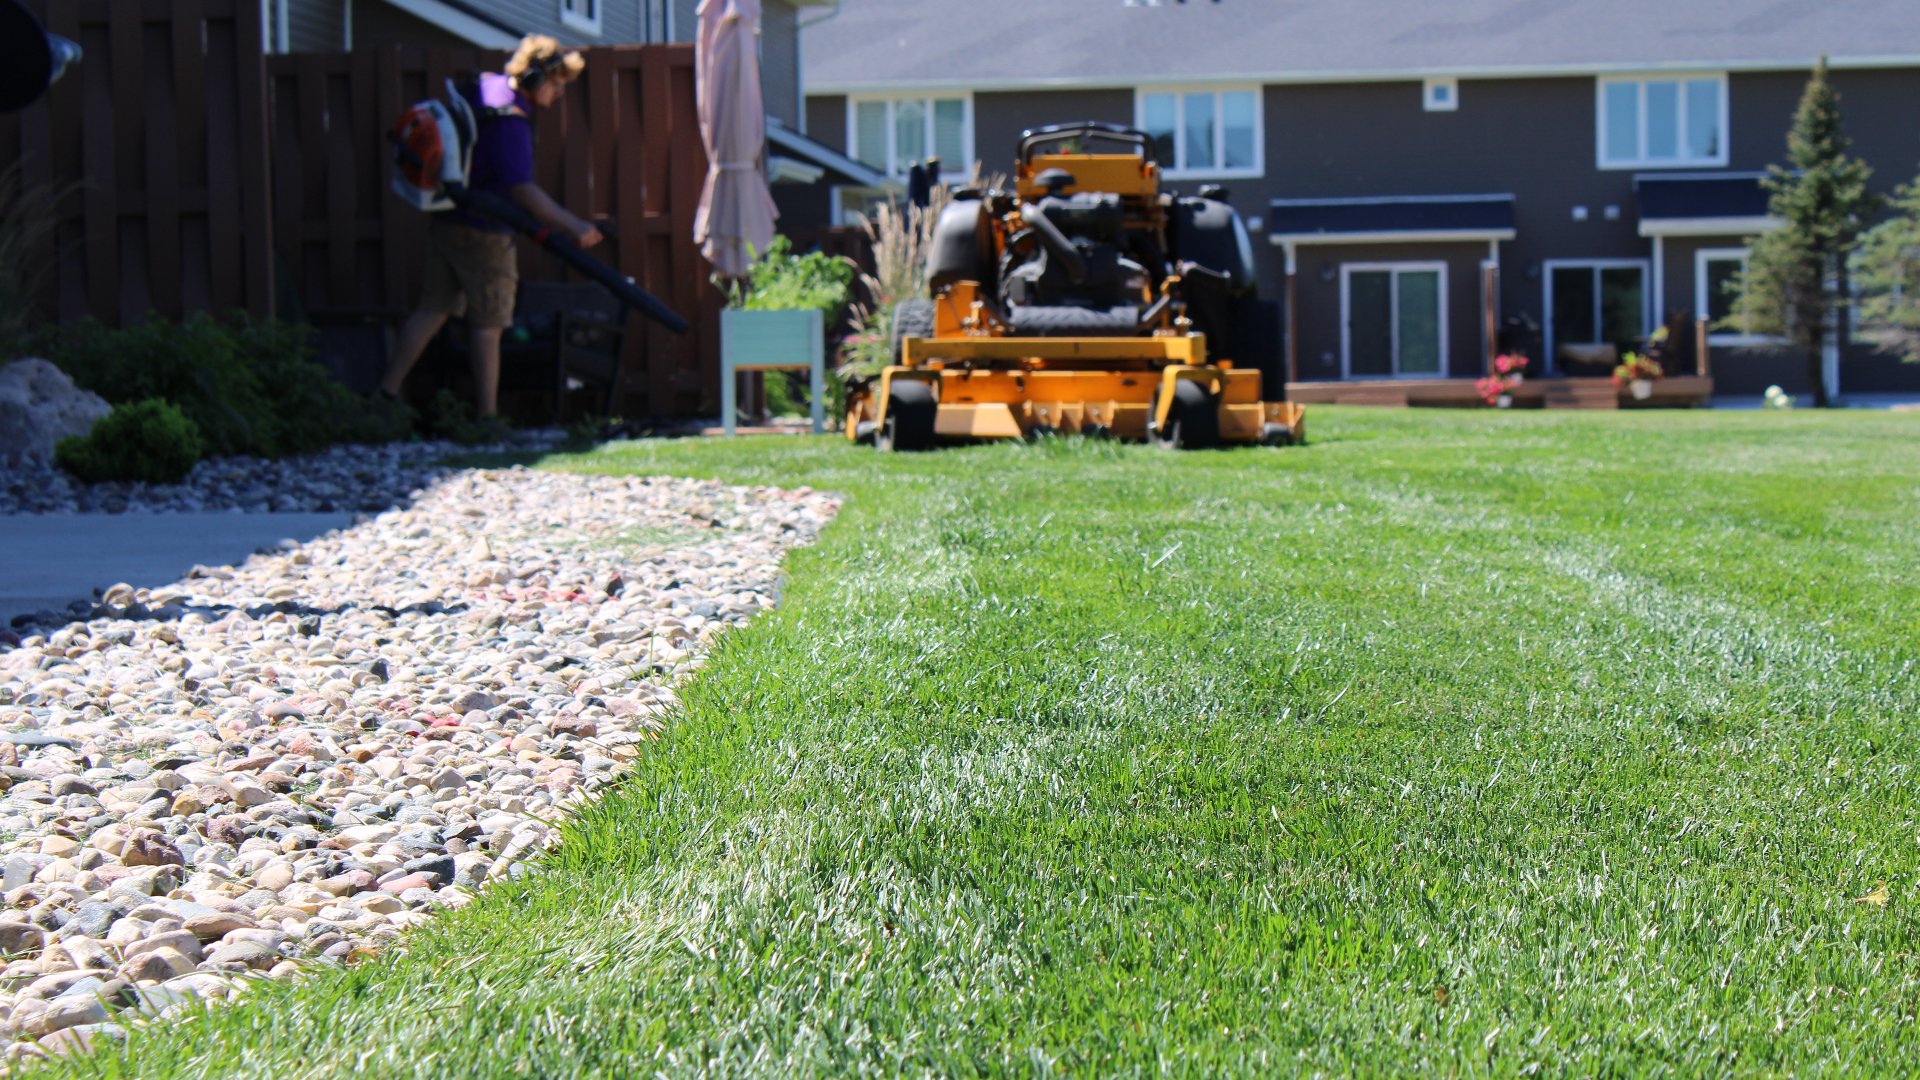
(1715, 270)
(581, 15)
(1669, 121)
(1203, 132)
(1595, 303)
(891, 134)
(1393, 320)
(1440, 95)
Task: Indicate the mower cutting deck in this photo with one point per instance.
(1082, 302)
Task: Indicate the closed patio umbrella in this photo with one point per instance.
(736, 209)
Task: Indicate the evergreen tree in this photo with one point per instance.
(1888, 277)
(1788, 288)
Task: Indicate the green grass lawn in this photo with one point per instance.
(1474, 743)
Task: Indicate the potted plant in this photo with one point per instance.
(775, 319)
(1636, 374)
(1637, 371)
(1509, 371)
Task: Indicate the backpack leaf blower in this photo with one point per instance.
(433, 152)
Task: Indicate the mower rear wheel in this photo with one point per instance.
(1193, 423)
(910, 414)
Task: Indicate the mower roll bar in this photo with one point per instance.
(1084, 129)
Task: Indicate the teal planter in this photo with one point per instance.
(772, 341)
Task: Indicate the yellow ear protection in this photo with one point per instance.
(539, 68)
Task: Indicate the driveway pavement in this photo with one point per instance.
(50, 560)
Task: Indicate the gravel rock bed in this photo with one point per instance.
(294, 760)
(367, 478)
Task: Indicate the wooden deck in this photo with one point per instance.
(1677, 392)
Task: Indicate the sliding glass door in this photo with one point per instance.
(1394, 319)
(1590, 304)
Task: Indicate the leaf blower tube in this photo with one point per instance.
(511, 214)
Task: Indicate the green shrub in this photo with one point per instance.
(146, 440)
(779, 280)
(451, 418)
(313, 410)
(196, 364)
(250, 386)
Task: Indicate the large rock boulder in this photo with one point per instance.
(39, 406)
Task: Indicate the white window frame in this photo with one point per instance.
(950, 171)
(587, 22)
(1701, 258)
(1547, 268)
(1173, 170)
(1433, 104)
(1640, 161)
(1346, 318)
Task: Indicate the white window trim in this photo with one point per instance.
(1700, 297)
(1432, 104)
(1641, 162)
(1346, 319)
(950, 171)
(586, 24)
(1168, 169)
(1546, 279)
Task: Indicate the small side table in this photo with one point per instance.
(772, 341)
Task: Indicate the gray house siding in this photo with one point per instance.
(827, 121)
(376, 24)
(619, 20)
(316, 26)
(780, 63)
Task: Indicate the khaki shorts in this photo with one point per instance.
(470, 272)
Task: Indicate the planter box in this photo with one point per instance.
(772, 341)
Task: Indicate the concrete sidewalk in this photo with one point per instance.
(50, 560)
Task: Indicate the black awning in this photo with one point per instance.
(1412, 217)
(1680, 204)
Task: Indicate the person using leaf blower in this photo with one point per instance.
(471, 263)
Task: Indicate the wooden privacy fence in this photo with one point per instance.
(200, 175)
(158, 142)
(622, 145)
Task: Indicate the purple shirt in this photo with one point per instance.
(503, 148)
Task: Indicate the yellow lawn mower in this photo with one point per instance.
(1083, 301)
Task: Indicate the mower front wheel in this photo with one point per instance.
(910, 414)
(1193, 423)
